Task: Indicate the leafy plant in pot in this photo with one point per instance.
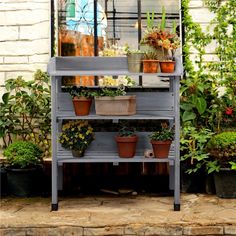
(114, 101)
(126, 141)
(161, 141)
(222, 149)
(24, 168)
(76, 136)
(150, 62)
(82, 100)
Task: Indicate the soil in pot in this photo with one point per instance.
(161, 148)
(150, 66)
(126, 146)
(167, 66)
(24, 182)
(82, 105)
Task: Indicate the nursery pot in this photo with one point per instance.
(225, 183)
(82, 105)
(167, 66)
(135, 62)
(150, 66)
(24, 182)
(77, 153)
(161, 148)
(126, 146)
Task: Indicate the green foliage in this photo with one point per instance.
(164, 134)
(125, 130)
(111, 92)
(150, 55)
(25, 111)
(163, 19)
(80, 92)
(23, 154)
(193, 147)
(150, 20)
(76, 135)
(222, 148)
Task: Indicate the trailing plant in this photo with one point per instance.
(23, 154)
(80, 92)
(25, 111)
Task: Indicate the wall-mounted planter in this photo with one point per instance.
(116, 106)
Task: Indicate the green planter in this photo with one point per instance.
(225, 183)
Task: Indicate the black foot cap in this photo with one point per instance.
(176, 207)
(54, 207)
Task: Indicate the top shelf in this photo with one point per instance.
(72, 66)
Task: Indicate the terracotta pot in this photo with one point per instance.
(150, 66)
(161, 148)
(167, 66)
(77, 153)
(126, 146)
(82, 105)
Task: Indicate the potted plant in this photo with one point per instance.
(76, 136)
(24, 168)
(126, 141)
(150, 62)
(134, 57)
(161, 141)
(222, 149)
(164, 41)
(82, 100)
(113, 101)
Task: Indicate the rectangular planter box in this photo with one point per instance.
(116, 106)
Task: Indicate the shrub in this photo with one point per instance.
(23, 154)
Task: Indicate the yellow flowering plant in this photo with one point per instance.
(76, 135)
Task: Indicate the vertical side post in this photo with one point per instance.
(54, 206)
(177, 144)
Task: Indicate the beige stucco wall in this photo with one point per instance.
(24, 37)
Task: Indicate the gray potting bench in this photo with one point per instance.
(150, 106)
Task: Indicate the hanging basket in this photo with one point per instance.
(115, 106)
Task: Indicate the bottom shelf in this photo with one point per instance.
(66, 157)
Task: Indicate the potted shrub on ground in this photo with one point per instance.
(82, 100)
(161, 141)
(126, 142)
(113, 101)
(150, 62)
(222, 149)
(76, 136)
(24, 168)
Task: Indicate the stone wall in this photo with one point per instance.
(24, 38)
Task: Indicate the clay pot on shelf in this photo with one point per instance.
(150, 66)
(82, 105)
(161, 148)
(167, 66)
(126, 146)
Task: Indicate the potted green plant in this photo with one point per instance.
(24, 168)
(114, 101)
(76, 136)
(222, 149)
(126, 141)
(150, 62)
(134, 57)
(161, 141)
(82, 100)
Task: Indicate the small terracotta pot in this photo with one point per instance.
(82, 105)
(167, 66)
(126, 146)
(161, 148)
(150, 66)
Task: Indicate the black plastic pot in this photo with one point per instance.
(3, 185)
(24, 182)
(225, 183)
